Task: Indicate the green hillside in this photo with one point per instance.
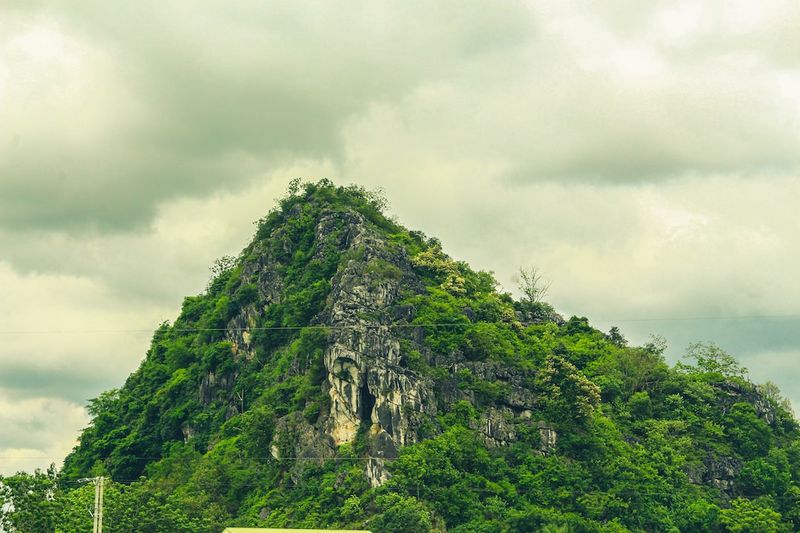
(344, 372)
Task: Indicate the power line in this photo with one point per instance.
(394, 326)
(691, 318)
(269, 457)
(266, 328)
(519, 490)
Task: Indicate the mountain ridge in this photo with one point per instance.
(344, 371)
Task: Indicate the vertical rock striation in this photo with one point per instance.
(370, 391)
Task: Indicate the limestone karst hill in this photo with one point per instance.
(344, 371)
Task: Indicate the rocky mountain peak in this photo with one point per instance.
(344, 356)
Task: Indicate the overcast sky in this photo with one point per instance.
(644, 155)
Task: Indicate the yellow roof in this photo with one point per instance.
(270, 530)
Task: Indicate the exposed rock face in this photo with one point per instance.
(212, 385)
(719, 472)
(303, 442)
(548, 438)
(237, 331)
(371, 391)
(367, 384)
(376, 471)
(736, 393)
(497, 428)
(519, 397)
(188, 432)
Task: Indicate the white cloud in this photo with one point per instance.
(37, 432)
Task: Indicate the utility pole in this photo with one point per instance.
(99, 519)
(97, 515)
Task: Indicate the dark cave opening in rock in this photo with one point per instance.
(366, 403)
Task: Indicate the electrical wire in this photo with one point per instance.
(391, 326)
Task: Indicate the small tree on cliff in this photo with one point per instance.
(534, 288)
(532, 285)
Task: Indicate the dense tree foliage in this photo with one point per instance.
(190, 443)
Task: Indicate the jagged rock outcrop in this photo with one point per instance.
(518, 396)
(548, 438)
(212, 385)
(298, 441)
(718, 472)
(369, 389)
(376, 471)
(497, 427)
(188, 432)
(372, 391)
(736, 392)
(238, 331)
(368, 386)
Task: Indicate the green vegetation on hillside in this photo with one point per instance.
(190, 442)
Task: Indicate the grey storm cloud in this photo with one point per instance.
(27, 381)
(149, 102)
(185, 98)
